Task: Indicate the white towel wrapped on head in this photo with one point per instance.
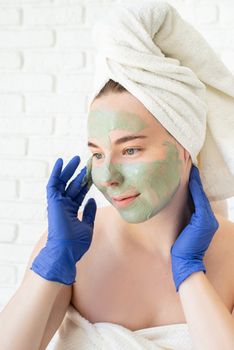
(167, 65)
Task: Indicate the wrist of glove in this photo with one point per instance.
(57, 261)
(188, 250)
(182, 269)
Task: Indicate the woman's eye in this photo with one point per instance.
(131, 153)
(94, 155)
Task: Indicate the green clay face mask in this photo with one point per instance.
(157, 181)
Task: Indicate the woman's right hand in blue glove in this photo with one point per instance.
(68, 237)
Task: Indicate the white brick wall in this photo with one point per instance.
(46, 66)
(11, 103)
(26, 38)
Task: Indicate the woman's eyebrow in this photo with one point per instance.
(121, 140)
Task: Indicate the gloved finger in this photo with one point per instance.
(61, 178)
(88, 176)
(76, 184)
(80, 197)
(200, 199)
(69, 169)
(54, 179)
(195, 174)
(204, 215)
(89, 212)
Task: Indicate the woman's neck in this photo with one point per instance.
(157, 235)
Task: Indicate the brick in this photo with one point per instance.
(15, 82)
(68, 126)
(15, 253)
(29, 233)
(54, 145)
(53, 103)
(9, 16)
(10, 145)
(8, 232)
(6, 293)
(65, 15)
(20, 2)
(26, 168)
(53, 61)
(67, 156)
(22, 211)
(75, 82)
(7, 275)
(66, 2)
(8, 189)
(205, 12)
(30, 189)
(94, 11)
(6, 238)
(90, 61)
(21, 269)
(26, 125)
(26, 38)
(10, 60)
(10, 103)
(226, 15)
(74, 38)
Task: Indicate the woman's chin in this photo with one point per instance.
(133, 217)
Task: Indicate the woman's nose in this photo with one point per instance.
(111, 175)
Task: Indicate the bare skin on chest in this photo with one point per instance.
(133, 288)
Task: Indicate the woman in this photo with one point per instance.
(155, 262)
(125, 278)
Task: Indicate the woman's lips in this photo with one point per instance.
(123, 202)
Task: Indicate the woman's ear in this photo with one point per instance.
(187, 158)
(185, 154)
(187, 164)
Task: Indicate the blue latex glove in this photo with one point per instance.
(190, 246)
(68, 237)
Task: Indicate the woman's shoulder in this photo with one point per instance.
(223, 240)
(225, 232)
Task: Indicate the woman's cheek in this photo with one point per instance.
(97, 177)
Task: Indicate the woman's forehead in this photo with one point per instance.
(117, 122)
(117, 114)
(124, 103)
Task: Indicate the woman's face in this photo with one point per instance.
(149, 165)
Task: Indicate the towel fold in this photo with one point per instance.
(166, 64)
(77, 333)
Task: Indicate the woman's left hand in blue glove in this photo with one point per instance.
(190, 246)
